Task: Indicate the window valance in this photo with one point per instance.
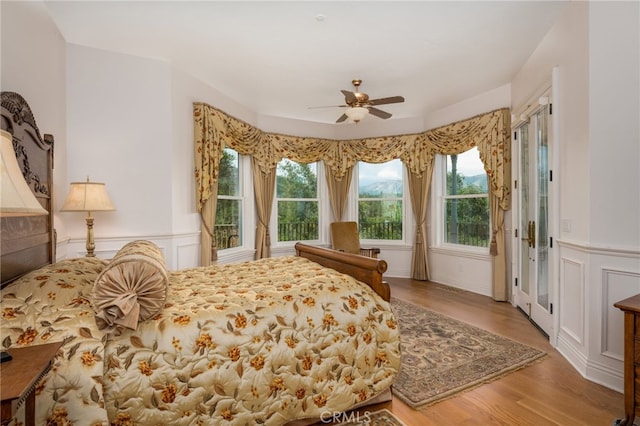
(214, 130)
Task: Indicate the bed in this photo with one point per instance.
(283, 340)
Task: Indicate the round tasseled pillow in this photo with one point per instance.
(132, 288)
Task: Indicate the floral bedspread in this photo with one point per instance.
(261, 342)
(51, 305)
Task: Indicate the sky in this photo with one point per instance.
(468, 164)
(368, 173)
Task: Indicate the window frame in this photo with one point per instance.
(247, 206)
(408, 224)
(321, 194)
(438, 211)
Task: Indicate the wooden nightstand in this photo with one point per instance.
(20, 376)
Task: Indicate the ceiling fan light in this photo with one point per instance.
(356, 113)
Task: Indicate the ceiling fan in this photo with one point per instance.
(360, 105)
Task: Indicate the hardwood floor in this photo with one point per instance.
(549, 392)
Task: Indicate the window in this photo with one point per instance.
(380, 196)
(297, 201)
(466, 201)
(228, 227)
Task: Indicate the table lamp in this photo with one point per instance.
(88, 197)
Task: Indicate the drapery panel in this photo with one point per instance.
(490, 132)
(419, 190)
(338, 193)
(264, 185)
(207, 224)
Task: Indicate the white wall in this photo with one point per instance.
(614, 182)
(614, 128)
(130, 125)
(119, 131)
(33, 65)
(597, 253)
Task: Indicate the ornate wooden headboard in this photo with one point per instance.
(27, 242)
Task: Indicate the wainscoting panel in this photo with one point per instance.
(592, 279)
(616, 276)
(572, 299)
(617, 285)
(180, 250)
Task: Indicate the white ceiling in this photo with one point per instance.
(280, 58)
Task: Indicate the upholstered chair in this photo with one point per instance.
(344, 237)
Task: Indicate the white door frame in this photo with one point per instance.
(548, 93)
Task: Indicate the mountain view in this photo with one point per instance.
(393, 188)
(390, 188)
(478, 180)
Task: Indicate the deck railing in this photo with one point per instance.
(468, 234)
(471, 234)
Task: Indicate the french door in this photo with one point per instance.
(533, 291)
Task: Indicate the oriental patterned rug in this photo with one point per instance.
(442, 356)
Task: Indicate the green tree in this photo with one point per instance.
(228, 174)
(227, 229)
(467, 218)
(297, 216)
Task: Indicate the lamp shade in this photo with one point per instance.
(87, 197)
(17, 199)
(356, 113)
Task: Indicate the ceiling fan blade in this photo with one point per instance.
(378, 112)
(349, 97)
(342, 118)
(383, 101)
(327, 106)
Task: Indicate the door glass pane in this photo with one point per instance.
(524, 207)
(543, 215)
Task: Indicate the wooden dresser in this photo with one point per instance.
(631, 309)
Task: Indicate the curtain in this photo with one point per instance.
(338, 192)
(500, 288)
(209, 251)
(419, 191)
(263, 185)
(490, 132)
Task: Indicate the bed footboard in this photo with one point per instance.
(365, 269)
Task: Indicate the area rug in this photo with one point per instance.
(442, 356)
(377, 418)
